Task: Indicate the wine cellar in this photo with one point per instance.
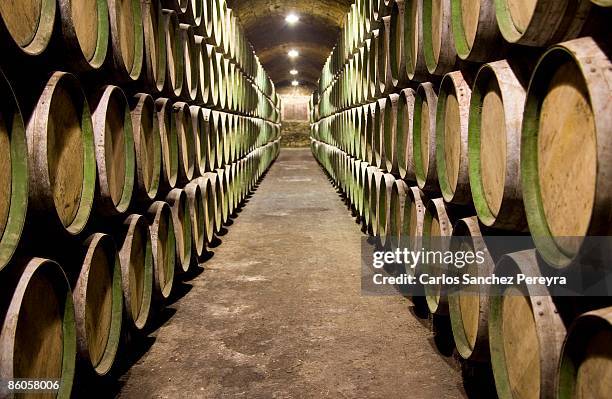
(191, 192)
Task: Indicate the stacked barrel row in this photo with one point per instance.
(479, 119)
(130, 132)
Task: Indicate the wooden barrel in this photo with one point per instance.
(85, 29)
(586, 360)
(98, 303)
(452, 116)
(136, 256)
(195, 204)
(438, 45)
(224, 190)
(210, 75)
(114, 140)
(396, 207)
(219, 64)
(221, 202)
(181, 221)
(413, 216)
(199, 139)
(390, 133)
(169, 143)
(476, 35)
(424, 137)
(228, 184)
(403, 132)
(126, 37)
(60, 140)
(190, 63)
(29, 25)
(183, 124)
(147, 145)
(541, 22)
(416, 68)
(13, 172)
(210, 142)
(163, 246)
(217, 200)
(209, 206)
(38, 337)
(378, 131)
(376, 182)
(397, 46)
(565, 166)
(525, 333)
(201, 65)
(496, 114)
(602, 3)
(367, 188)
(469, 304)
(175, 69)
(384, 208)
(437, 230)
(154, 34)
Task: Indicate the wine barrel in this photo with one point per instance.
(38, 338)
(147, 145)
(367, 204)
(98, 303)
(496, 113)
(13, 172)
(136, 257)
(437, 230)
(228, 184)
(541, 22)
(224, 190)
(114, 140)
(217, 200)
(390, 133)
(396, 208)
(403, 131)
(477, 37)
(397, 45)
(195, 203)
(126, 38)
(378, 131)
(564, 161)
(163, 246)
(181, 220)
(384, 208)
(169, 143)
(210, 77)
(452, 115)
(199, 139)
(60, 140)
(190, 63)
(376, 182)
(525, 333)
(438, 45)
(384, 60)
(183, 124)
(221, 202)
(85, 29)
(175, 69)
(424, 137)
(154, 35)
(28, 24)
(469, 304)
(210, 142)
(416, 68)
(209, 206)
(586, 360)
(413, 216)
(602, 3)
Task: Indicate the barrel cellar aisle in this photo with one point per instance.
(278, 311)
(159, 238)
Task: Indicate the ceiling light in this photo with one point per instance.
(293, 53)
(293, 72)
(295, 83)
(292, 18)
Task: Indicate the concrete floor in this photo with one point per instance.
(278, 312)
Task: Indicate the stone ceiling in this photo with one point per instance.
(313, 36)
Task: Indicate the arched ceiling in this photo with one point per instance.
(313, 36)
